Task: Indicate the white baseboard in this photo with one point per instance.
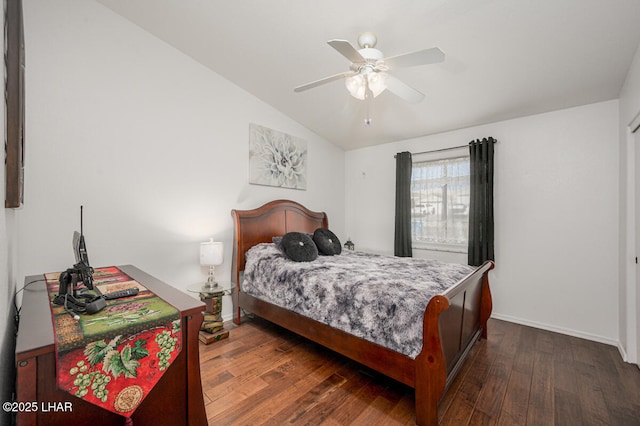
(623, 353)
(561, 330)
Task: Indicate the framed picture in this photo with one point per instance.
(276, 158)
(14, 103)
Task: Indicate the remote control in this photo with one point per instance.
(122, 293)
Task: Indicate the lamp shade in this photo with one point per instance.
(357, 86)
(211, 253)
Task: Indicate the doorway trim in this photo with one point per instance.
(630, 294)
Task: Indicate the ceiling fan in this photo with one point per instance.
(368, 74)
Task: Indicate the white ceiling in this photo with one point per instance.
(504, 58)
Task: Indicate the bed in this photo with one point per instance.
(452, 321)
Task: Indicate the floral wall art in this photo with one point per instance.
(276, 158)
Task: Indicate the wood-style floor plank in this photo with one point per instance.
(540, 408)
(265, 375)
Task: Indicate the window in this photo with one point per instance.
(440, 204)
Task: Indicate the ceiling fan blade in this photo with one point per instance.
(412, 59)
(347, 50)
(322, 81)
(402, 90)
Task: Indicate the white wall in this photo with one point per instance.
(629, 182)
(556, 210)
(8, 282)
(153, 144)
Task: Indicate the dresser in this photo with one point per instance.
(176, 399)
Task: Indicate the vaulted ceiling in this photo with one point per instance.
(504, 58)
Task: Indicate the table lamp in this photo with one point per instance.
(211, 255)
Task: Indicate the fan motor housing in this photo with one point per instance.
(371, 54)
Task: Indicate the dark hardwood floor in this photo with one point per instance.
(520, 375)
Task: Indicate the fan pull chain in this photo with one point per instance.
(368, 99)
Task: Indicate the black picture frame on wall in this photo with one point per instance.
(14, 103)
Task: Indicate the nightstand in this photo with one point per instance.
(212, 328)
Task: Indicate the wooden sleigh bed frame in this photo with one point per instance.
(453, 321)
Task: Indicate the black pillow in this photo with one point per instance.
(299, 247)
(278, 241)
(327, 242)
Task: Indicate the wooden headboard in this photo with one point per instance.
(273, 219)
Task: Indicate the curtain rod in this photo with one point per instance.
(438, 150)
(442, 149)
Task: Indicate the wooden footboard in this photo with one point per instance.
(453, 321)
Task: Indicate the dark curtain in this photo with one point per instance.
(402, 243)
(481, 245)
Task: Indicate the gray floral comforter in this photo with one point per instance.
(378, 298)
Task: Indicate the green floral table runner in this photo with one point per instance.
(114, 358)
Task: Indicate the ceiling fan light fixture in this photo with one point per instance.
(356, 84)
(370, 73)
(377, 82)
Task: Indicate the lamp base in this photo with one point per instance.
(211, 279)
(211, 283)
